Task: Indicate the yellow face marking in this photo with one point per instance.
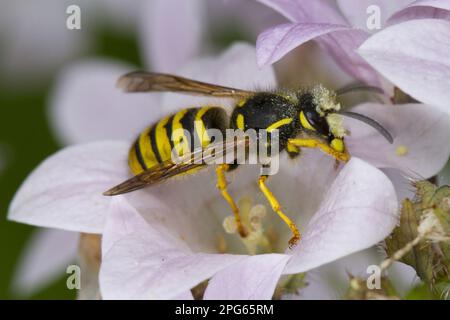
(278, 124)
(304, 122)
(240, 121)
(162, 140)
(179, 139)
(401, 150)
(338, 145)
(200, 128)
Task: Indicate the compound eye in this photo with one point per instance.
(311, 120)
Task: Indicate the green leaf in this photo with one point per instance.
(430, 259)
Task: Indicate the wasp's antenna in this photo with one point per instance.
(358, 87)
(371, 123)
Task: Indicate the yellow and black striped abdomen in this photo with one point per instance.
(178, 132)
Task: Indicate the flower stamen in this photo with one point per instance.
(257, 240)
(401, 150)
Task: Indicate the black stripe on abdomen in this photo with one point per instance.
(137, 150)
(169, 129)
(187, 122)
(153, 143)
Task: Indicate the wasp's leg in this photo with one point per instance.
(316, 143)
(276, 207)
(222, 186)
(293, 151)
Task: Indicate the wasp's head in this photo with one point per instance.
(318, 113)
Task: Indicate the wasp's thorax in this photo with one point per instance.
(319, 112)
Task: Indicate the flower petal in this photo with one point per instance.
(358, 12)
(339, 41)
(316, 66)
(44, 259)
(191, 208)
(171, 31)
(307, 11)
(253, 278)
(421, 134)
(422, 9)
(359, 209)
(310, 176)
(187, 295)
(87, 106)
(148, 261)
(341, 45)
(277, 41)
(65, 191)
(414, 56)
(330, 281)
(401, 183)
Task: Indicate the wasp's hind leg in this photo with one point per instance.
(277, 208)
(222, 186)
(317, 143)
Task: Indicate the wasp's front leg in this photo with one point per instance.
(326, 148)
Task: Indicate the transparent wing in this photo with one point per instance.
(193, 160)
(141, 81)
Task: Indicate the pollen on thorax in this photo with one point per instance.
(252, 215)
(401, 150)
(325, 100)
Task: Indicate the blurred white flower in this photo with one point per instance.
(75, 201)
(44, 260)
(35, 40)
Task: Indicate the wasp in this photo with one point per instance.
(306, 118)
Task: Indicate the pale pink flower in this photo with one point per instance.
(161, 25)
(414, 56)
(180, 221)
(342, 32)
(22, 20)
(49, 253)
